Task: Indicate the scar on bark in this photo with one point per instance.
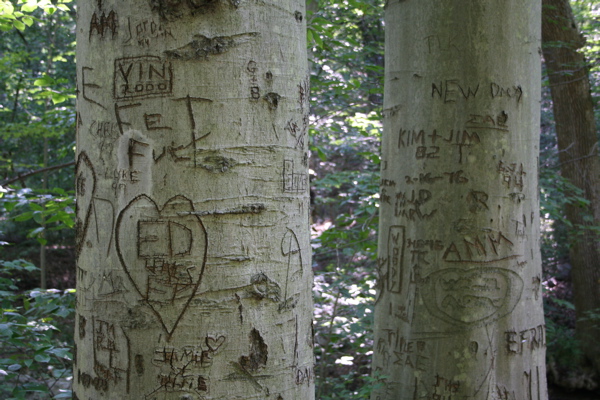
(217, 163)
(240, 308)
(139, 364)
(201, 47)
(258, 353)
(263, 287)
(174, 9)
(272, 99)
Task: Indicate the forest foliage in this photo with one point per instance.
(37, 150)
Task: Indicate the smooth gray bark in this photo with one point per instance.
(194, 267)
(459, 310)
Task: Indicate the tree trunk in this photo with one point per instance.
(459, 309)
(194, 268)
(578, 154)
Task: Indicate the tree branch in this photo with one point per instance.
(38, 171)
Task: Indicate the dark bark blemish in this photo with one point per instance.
(240, 308)
(502, 118)
(82, 324)
(216, 163)
(272, 99)
(139, 364)
(171, 10)
(298, 16)
(258, 353)
(264, 288)
(203, 46)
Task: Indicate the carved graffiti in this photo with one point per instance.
(409, 205)
(290, 249)
(512, 174)
(142, 32)
(85, 184)
(530, 339)
(485, 249)
(141, 77)
(163, 252)
(87, 85)
(293, 182)
(471, 297)
(103, 23)
(395, 258)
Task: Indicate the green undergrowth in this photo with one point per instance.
(36, 338)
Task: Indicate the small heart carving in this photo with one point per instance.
(214, 344)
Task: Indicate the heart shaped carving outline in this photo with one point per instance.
(215, 343)
(85, 184)
(166, 264)
(486, 305)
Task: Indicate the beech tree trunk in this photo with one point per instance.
(194, 264)
(459, 310)
(568, 74)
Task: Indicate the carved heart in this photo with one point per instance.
(163, 252)
(471, 297)
(214, 344)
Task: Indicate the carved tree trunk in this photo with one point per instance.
(578, 154)
(194, 269)
(459, 310)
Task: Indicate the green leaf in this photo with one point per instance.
(321, 154)
(19, 25)
(29, 7)
(318, 40)
(62, 352)
(36, 387)
(38, 217)
(9, 9)
(24, 217)
(36, 207)
(36, 232)
(14, 367)
(41, 358)
(44, 81)
(5, 330)
(58, 98)
(309, 36)
(10, 205)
